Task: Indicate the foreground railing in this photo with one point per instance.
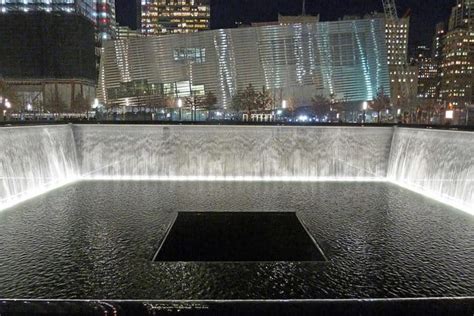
(367, 307)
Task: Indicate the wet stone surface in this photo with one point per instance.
(97, 240)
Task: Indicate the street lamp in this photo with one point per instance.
(95, 105)
(365, 106)
(180, 105)
(8, 105)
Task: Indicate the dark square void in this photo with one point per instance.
(238, 236)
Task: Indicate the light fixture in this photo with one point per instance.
(449, 115)
(95, 105)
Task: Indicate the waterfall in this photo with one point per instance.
(436, 163)
(233, 152)
(34, 160)
(439, 164)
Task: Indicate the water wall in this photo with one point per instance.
(232, 152)
(437, 163)
(34, 160)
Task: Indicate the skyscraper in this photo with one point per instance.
(462, 15)
(427, 73)
(48, 59)
(457, 67)
(99, 12)
(437, 50)
(159, 17)
(105, 20)
(397, 41)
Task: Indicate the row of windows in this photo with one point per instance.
(196, 55)
(141, 88)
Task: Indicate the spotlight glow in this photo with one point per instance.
(449, 115)
(458, 204)
(24, 196)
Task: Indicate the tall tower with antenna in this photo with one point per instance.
(298, 19)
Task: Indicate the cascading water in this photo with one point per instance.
(233, 153)
(437, 163)
(34, 160)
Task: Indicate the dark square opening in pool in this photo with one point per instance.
(238, 237)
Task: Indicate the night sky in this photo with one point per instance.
(425, 13)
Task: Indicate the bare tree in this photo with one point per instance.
(264, 100)
(209, 102)
(245, 101)
(380, 103)
(430, 108)
(320, 105)
(54, 103)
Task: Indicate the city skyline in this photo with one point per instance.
(224, 14)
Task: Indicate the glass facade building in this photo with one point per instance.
(346, 60)
(159, 17)
(99, 12)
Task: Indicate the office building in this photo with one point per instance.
(462, 15)
(51, 58)
(403, 77)
(292, 19)
(396, 36)
(457, 73)
(287, 20)
(403, 84)
(124, 32)
(105, 20)
(397, 41)
(160, 17)
(100, 12)
(427, 72)
(438, 42)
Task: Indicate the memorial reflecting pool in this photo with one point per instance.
(97, 239)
